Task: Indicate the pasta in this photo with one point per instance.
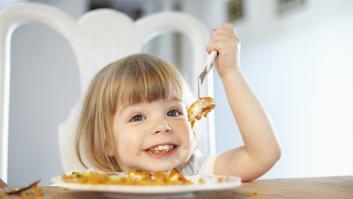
(133, 177)
(200, 108)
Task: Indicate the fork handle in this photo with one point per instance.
(210, 60)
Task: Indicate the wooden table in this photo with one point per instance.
(321, 188)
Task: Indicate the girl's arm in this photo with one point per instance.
(261, 149)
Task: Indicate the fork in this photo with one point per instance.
(17, 191)
(208, 66)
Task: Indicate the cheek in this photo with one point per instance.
(186, 133)
(187, 128)
(189, 138)
(128, 143)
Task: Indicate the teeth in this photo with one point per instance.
(162, 148)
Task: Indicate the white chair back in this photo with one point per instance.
(97, 38)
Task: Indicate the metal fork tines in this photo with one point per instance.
(200, 81)
(209, 63)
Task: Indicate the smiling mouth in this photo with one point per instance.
(162, 149)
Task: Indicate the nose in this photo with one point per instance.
(162, 126)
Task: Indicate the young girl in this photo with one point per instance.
(135, 116)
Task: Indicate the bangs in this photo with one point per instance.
(148, 78)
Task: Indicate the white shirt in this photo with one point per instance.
(200, 164)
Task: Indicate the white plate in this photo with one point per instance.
(211, 183)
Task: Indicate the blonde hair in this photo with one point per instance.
(133, 79)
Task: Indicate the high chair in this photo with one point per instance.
(98, 38)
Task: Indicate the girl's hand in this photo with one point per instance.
(227, 44)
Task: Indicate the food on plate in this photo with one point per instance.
(200, 108)
(133, 177)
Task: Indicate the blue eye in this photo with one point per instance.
(174, 113)
(137, 118)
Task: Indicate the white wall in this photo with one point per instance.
(301, 68)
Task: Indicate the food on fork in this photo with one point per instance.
(134, 177)
(200, 108)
